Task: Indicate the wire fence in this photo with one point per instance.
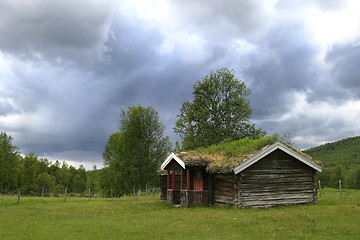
(91, 194)
(335, 185)
(345, 184)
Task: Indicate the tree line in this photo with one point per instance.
(31, 173)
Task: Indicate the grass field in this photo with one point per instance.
(145, 218)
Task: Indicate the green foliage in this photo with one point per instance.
(9, 164)
(54, 170)
(79, 181)
(107, 181)
(220, 110)
(341, 160)
(242, 146)
(28, 174)
(286, 138)
(134, 153)
(45, 180)
(92, 180)
(31, 173)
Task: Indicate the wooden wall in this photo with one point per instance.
(163, 187)
(163, 184)
(277, 179)
(223, 189)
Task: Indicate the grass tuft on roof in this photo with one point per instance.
(241, 147)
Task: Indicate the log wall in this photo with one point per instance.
(163, 186)
(223, 189)
(277, 179)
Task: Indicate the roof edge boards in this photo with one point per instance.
(302, 158)
(270, 149)
(169, 158)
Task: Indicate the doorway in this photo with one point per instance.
(198, 180)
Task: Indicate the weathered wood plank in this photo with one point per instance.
(274, 177)
(261, 204)
(278, 179)
(277, 197)
(276, 200)
(272, 171)
(278, 185)
(223, 189)
(276, 191)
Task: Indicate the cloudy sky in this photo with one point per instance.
(67, 67)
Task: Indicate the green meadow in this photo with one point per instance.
(146, 218)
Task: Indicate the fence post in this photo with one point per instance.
(42, 194)
(19, 196)
(112, 197)
(134, 192)
(340, 188)
(65, 194)
(89, 193)
(320, 188)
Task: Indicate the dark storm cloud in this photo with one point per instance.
(61, 105)
(345, 71)
(135, 72)
(308, 131)
(284, 64)
(76, 109)
(53, 29)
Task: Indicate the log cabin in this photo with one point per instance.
(274, 175)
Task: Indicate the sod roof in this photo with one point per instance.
(225, 157)
(217, 161)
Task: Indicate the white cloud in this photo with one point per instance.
(335, 26)
(321, 122)
(224, 20)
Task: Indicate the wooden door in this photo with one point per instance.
(198, 181)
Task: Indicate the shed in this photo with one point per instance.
(276, 174)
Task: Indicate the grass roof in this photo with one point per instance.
(225, 156)
(241, 147)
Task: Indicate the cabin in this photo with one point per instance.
(274, 175)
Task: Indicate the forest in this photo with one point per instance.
(31, 174)
(341, 160)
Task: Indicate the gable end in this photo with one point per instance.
(270, 149)
(171, 157)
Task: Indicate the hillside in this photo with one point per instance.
(341, 160)
(345, 152)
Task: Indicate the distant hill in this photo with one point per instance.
(341, 160)
(345, 152)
